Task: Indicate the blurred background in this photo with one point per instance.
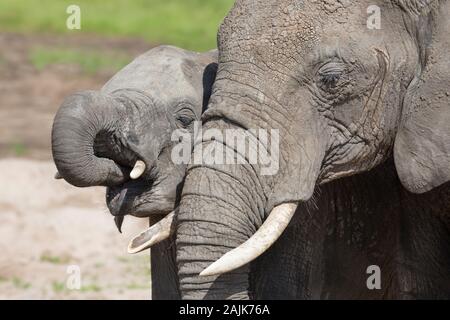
(46, 226)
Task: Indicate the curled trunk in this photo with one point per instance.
(81, 118)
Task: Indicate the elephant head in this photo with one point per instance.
(120, 136)
(343, 98)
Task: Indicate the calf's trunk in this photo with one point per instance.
(79, 120)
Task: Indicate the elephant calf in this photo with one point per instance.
(120, 136)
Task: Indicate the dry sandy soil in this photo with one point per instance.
(48, 225)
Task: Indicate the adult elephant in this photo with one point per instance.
(121, 137)
(348, 102)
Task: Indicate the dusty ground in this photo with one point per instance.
(47, 225)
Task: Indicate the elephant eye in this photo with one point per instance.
(330, 80)
(184, 120)
(330, 74)
(185, 116)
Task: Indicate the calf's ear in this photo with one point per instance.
(422, 145)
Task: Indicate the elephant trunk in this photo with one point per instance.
(222, 206)
(231, 213)
(78, 122)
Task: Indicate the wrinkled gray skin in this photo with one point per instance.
(364, 121)
(369, 107)
(99, 135)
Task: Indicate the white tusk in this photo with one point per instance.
(138, 170)
(156, 233)
(267, 234)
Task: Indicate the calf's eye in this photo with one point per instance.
(185, 115)
(184, 120)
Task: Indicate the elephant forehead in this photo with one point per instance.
(270, 30)
(289, 30)
(269, 21)
(163, 77)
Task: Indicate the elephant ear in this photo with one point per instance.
(422, 146)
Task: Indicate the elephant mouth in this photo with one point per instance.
(140, 198)
(122, 199)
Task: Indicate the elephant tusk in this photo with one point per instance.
(138, 170)
(267, 234)
(153, 235)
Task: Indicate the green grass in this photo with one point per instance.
(191, 24)
(137, 286)
(45, 257)
(90, 288)
(58, 287)
(90, 62)
(19, 149)
(21, 284)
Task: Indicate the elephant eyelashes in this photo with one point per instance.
(330, 80)
(184, 120)
(185, 117)
(330, 74)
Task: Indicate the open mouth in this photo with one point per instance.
(122, 200)
(156, 233)
(140, 198)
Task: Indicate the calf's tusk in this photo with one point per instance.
(267, 234)
(138, 169)
(156, 233)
